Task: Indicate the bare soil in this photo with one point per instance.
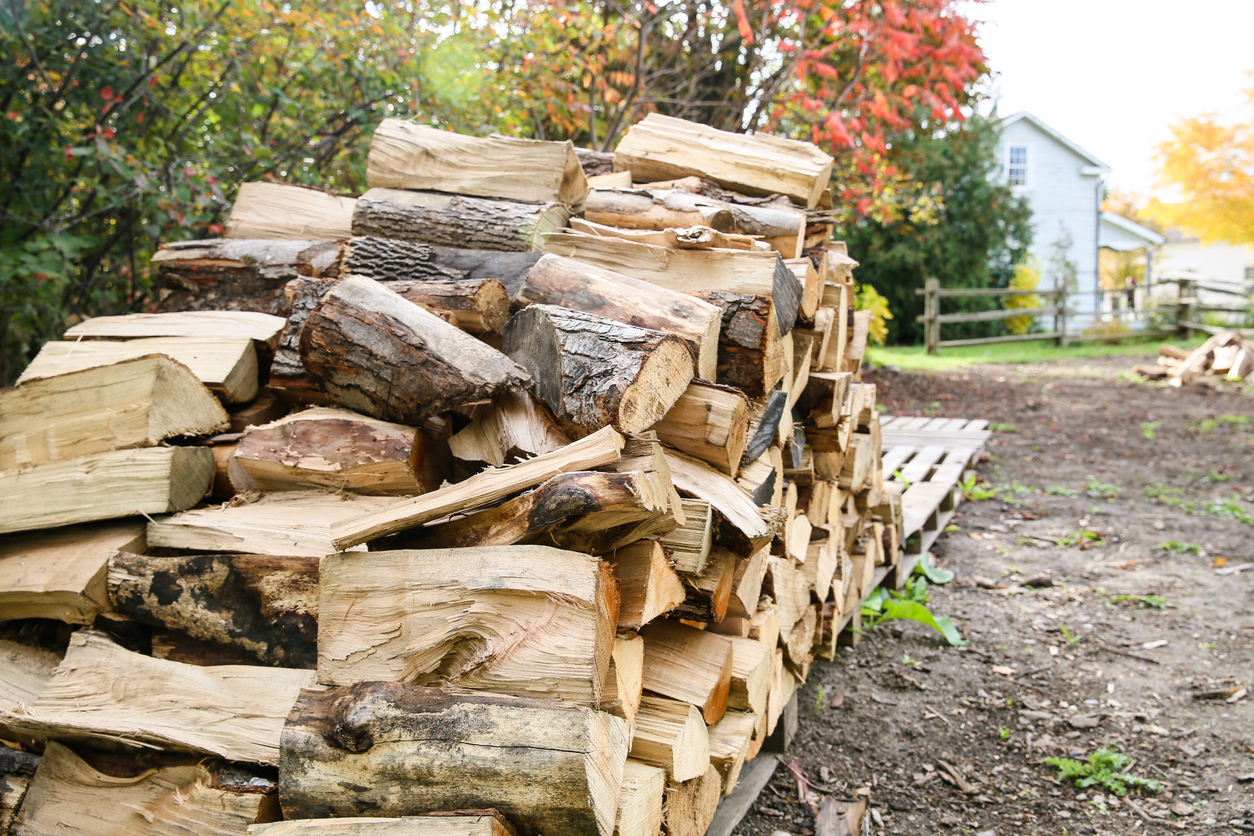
(1060, 664)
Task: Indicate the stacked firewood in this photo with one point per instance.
(556, 487)
(1226, 355)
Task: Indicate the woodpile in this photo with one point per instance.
(1225, 356)
(393, 523)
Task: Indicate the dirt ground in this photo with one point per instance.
(1059, 664)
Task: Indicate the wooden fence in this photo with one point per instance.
(1185, 311)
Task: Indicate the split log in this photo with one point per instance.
(649, 587)
(158, 480)
(690, 805)
(237, 274)
(671, 735)
(265, 608)
(386, 357)
(16, 771)
(339, 450)
(597, 372)
(811, 283)
(133, 403)
(624, 679)
(291, 523)
(407, 750)
(596, 450)
(745, 531)
(436, 824)
(512, 427)
(640, 802)
(525, 620)
(790, 591)
(662, 147)
(688, 545)
(68, 795)
(227, 366)
(289, 210)
(763, 480)
(747, 584)
(709, 422)
(259, 327)
(750, 356)
(799, 641)
(405, 155)
(477, 306)
(594, 290)
(822, 561)
(689, 665)
(691, 271)
(508, 268)
(61, 574)
(729, 745)
(707, 593)
(684, 238)
(858, 463)
(25, 671)
(751, 674)
(102, 692)
(451, 220)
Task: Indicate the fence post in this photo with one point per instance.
(1060, 315)
(1184, 307)
(931, 310)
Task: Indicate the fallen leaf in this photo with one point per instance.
(837, 702)
(1181, 809)
(1123, 564)
(1003, 670)
(975, 535)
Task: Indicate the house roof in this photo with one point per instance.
(1119, 233)
(1023, 115)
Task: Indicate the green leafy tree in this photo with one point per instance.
(970, 232)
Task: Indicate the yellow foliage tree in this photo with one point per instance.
(1210, 164)
(1026, 277)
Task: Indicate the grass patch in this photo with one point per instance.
(915, 357)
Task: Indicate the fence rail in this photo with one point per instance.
(1187, 308)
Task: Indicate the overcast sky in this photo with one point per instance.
(1111, 75)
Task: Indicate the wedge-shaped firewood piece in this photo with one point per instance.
(132, 403)
(68, 795)
(689, 665)
(377, 353)
(405, 155)
(707, 593)
(238, 273)
(624, 678)
(729, 744)
(648, 585)
(821, 564)
(336, 449)
(747, 585)
(596, 450)
(790, 591)
(103, 692)
(601, 499)
(664, 148)
(691, 271)
(452, 220)
(690, 805)
(428, 749)
(583, 287)
(61, 574)
(24, 672)
(289, 210)
(291, 523)
(670, 734)
(433, 825)
(708, 422)
(263, 607)
(744, 531)
(751, 674)
(259, 327)
(521, 620)
(689, 544)
(598, 372)
(640, 803)
(477, 306)
(514, 426)
(227, 366)
(104, 486)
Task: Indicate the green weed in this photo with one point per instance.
(1100, 490)
(1104, 769)
(1082, 538)
(885, 605)
(1061, 490)
(1239, 420)
(1160, 491)
(975, 489)
(1004, 733)
(1229, 508)
(1216, 477)
(1206, 426)
(1148, 430)
(1143, 601)
(1072, 638)
(1003, 428)
(906, 660)
(1180, 548)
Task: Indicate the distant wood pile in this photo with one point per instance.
(1227, 355)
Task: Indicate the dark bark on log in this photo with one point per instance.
(263, 607)
(390, 259)
(508, 268)
(767, 428)
(749, 355)
(595, 371)
(457, 220)
(595, 162)
(477, 306)
(377, 353)
(388, 749)
(238, 274)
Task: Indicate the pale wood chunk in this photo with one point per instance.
(61, 574)
(289, 210)
(408, 750)
(259, 327)
(729, 745)
(405, 155)
(102, 692)
(25, 671)
(512, 427)
(708, 422)
(690, 805)
(522, 620)
(671, 735)
(432, 825)
(746, 531)
(747, 584)
(688, 545)
(158, 480)
(650, 588)
(640, 803)
(688, 664)
(708, 592)
(462, 221)
(624, 678)
(751, 674)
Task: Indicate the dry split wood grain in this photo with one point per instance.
(707, 593)
(26, 669)
(624, 678)
(404, 155)
(670, 734)
(689, 665)
(746, 531)
(751, 674)
(729, 745)
(433, 825)
(457, 220)
(132, 403)
(709, 422)
(690, 805)
(406, 750)
(61, 574)
(648, 584)
(747, 585)
(513, 426)
(259, 327)
(640, 802)
(521, 620)
(289, 210)
(477, 306)
(103, 692)
(689, 543)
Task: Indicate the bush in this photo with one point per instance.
(1026, 277)
(869, 299)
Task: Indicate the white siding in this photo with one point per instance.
(1219, 265)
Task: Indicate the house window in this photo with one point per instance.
(1018, 165)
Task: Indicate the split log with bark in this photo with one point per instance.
(457, 220)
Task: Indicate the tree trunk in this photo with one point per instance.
(595, 371)
(376, 353)
(406, 750)
(457, 220)
(593, 290)
(750, 355)
(521, 620)
(265, 608)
